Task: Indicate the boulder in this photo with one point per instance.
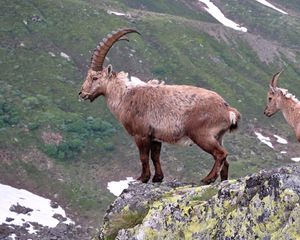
(265, 205)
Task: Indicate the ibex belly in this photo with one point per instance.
(185, 141)
(171, 131)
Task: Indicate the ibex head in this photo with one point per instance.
(274, 96)
(98, 76)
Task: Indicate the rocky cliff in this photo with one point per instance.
(265, 205)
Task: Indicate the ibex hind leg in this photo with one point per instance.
(155, 156)
(225, 167)
(211, 145)
(144, 150)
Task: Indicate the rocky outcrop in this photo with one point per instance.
(260, 206)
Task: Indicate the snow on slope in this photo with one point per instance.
(267, 140)
(21, 207)
(296, 159)
(115, 13)
(117, 187)
(266, 3)
(263, 139)
(213, 10)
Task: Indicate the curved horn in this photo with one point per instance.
(103, 47)
(274, 80)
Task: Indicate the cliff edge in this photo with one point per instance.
(265, 205)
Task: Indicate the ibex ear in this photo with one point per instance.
(109, 70)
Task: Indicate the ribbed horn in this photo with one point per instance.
(275, 79)
(103, 47)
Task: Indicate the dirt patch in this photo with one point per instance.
(51, 138)
(6, 156)
(37, 158)
(267, 51)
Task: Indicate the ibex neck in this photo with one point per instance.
(116, 91)
(291, 110)
(114, 95)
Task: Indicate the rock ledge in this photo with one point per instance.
(265, 205)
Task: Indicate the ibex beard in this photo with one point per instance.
(153, 113)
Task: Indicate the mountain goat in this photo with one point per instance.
(280, 99)
(154, 113)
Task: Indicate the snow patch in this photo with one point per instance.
(266, 3)
(132, 81)
(296, 159)
(39, 209)
(214, 11)
(135, 81)
(263, 139)
(115, 13)
(65, 56)
(13, 236)
(51, 54)
(280, 139)
(117, 187)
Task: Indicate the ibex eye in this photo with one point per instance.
(95, 78)
(270, 99)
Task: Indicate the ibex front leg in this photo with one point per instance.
(155, 156)
(144, 145)
(224, 170)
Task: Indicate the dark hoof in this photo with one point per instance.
(207, 181)
(143, 179)
(224, 175)
(157, 178)
(224, 178)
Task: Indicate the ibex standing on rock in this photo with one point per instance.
(280, 99)
(154, 113)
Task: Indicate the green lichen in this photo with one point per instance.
(123, 220)
(205, 193)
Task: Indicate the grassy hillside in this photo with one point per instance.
(75, 147)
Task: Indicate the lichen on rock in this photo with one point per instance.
(265, 205)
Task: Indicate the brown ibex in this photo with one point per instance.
(154, 113)
(280, 99)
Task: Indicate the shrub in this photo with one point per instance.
(8, 114)
(31, 102)
(80, 133)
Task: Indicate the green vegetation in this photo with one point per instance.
(79, 134)
(126, 219)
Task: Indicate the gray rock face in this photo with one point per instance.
(260, 206)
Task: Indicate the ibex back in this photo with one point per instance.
(154, 113)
